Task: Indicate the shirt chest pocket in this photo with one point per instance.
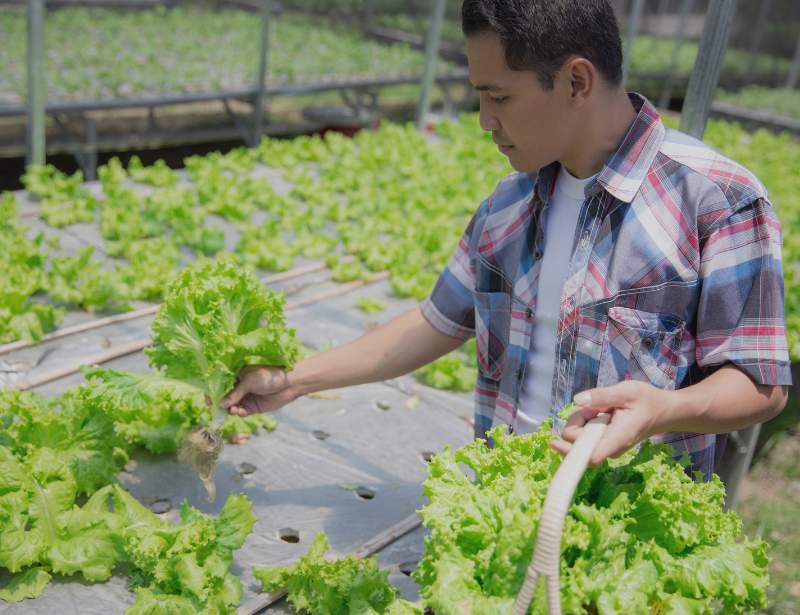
(492, 327)
(640, 346)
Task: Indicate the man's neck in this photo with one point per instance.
(605, 126)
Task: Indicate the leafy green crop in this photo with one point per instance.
(184, 566)
(456, 371)
(387, 200)
(370, 305)
(148, 410)
(216, 318)
(640, 536)
(97, 53)
(341, 587)
(782, 101)
(83, 281)
(23, 264)
(53, 452)
(158, 174)
(62, 199)
(263, 246)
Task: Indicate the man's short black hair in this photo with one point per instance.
(540, 35)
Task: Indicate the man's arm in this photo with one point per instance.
(390, 350)
(725, 401)
(393, 349)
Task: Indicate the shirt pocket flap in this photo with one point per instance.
(642, 346)
(492, 328)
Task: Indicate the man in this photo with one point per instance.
(624, 265)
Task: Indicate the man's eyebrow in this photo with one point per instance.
(483, 87)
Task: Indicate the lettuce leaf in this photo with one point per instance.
(216, 318)
(148, 410)
(317, 585)
(185, 564)
(28, 584)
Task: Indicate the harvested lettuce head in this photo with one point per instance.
(639, 537)
(217, 318)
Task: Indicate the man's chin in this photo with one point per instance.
(522, 166)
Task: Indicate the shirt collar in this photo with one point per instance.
(623, 174)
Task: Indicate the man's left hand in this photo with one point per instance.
(635, 408)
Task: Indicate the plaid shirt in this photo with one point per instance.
(675, 271)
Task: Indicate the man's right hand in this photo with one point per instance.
(259, 389)
(395, 348)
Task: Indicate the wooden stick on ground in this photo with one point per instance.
(369, 548)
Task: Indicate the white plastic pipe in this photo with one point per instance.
(547, 552)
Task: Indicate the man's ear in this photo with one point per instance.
(582, 78)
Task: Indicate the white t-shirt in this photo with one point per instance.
(562, 219)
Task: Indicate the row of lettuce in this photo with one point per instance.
(642, 535)
(387, 200)
(104, 53)
(390, 198)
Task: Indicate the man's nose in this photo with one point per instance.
(488, 121)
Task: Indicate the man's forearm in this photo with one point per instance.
(725, 401)
(393, 349)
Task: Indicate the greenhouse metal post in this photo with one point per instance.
(634, 17)
(794, 73)
(258, 123)
(431, 56)
(758, 35)
(36, 84)
(680, 38)
(707, 66)
(702, 85)
(366, 14)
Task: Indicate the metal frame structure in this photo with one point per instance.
(354, 93)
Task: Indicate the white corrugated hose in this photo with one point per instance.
(547, 552)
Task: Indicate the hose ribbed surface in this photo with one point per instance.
(547, 552)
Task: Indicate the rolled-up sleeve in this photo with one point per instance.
(740, 318)
(450, 308)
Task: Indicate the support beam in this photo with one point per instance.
(431, 56)
(758, 34)
(258, 108)
(632, 29)
(794, 73)
(36, 83)
(680, 38)
(707, 66)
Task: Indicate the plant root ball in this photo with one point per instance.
(200, 448)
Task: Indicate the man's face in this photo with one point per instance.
(529, 123)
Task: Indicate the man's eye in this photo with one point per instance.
(498, 99)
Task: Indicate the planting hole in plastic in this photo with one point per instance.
(289, 535)
(365, 493)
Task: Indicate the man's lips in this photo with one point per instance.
(503, 147)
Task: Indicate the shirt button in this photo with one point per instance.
(585, 239)
(529, 312)
(648, 343)
(537, 255)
